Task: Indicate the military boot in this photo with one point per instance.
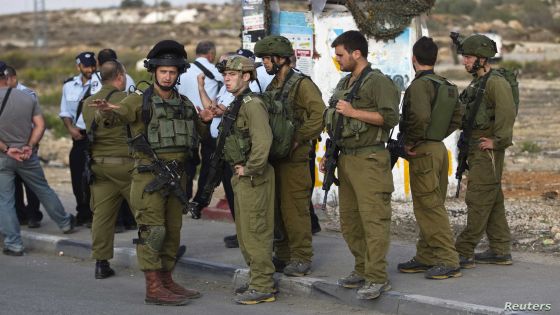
(157, 294)
(251, 297)
(466, 262)
(441, 272)
(370, 290)
(413, 266)
(489, 257)
(352, 281)
(297, 268)
(172, 286)
(103, 269)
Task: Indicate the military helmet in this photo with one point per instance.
(167, 53)
(274, 46)
(241, 63)
(478, 45)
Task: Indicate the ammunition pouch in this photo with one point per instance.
(151, 236)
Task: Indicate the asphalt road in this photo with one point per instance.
(43, 284)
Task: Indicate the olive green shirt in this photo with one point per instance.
(107, 141)
(376, 94)
(253, 119)
(308, 108)
(417, 110)
(496, 114)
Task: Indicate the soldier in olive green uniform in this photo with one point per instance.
(430, 114)
(492, 133)
(171, 126)
(364, 170)
(111, 164)
(303, 100)
(246, 149)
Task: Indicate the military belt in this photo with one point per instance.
(113, 160)
(364, 150)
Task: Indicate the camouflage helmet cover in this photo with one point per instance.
(274, 46)
(478, 45)
(167, 53)
(241, 63)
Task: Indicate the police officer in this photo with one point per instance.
(425, 124)
(303, 99)
(111, 164)
(246, 150)
(364, 170)
(75, 90)
(492, 132)
(171, 126)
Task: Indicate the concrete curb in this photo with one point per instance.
(391, 302)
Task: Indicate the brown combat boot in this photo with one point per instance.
(175, 288)
(157, 294)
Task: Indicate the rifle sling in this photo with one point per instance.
(470, 122)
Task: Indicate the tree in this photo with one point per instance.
(132, 4)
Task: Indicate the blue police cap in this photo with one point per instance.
(87, 59)
(246, 53)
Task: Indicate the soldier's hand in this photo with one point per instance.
(344, 108)
(486, 144)
(322, 165)
(206, 115)
(239, 170)
(408, 150)
(200, 79)
(103, 105)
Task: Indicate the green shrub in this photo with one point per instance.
(530, 147)
(55, 125)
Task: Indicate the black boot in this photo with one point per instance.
(103, 270)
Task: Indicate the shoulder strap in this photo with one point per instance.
(81, 103)
(479, 93)
(146, 108)
(5, 100)
(209, 74)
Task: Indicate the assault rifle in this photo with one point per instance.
(167, 173)
(465, 137)
(396, 148)
(215, 171)
(333, 149)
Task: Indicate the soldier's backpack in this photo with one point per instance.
(443, 106)
(511, 78)
(280, 116)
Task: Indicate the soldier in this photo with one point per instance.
(110, 166)
(425, 123)
(492, 132)
(364, 170)
(171, 126)
(303, 99)
(246, 149)
(75, 90)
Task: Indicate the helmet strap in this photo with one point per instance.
(476, 66)
(166, 88)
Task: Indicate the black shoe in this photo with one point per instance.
(489, 257)
(231, 241)
(32, 224)
(413, 266)
(119, 229)
(443, 272)
(279, 265)
(131, 227)
(10, 252)
(103, 270)
(466, 263)
(315, 229)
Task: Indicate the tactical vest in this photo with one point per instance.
(172, 125)
(354, 128)
(443, 106)
(238, 143)
(486, 114)
(284, 117)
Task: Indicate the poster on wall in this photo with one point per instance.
(253, 22)
(298, 28)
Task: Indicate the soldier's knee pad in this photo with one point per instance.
(152, 236)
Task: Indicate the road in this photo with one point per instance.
(42, 284)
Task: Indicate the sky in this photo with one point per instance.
(16, 6)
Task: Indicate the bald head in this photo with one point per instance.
(113, 73)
